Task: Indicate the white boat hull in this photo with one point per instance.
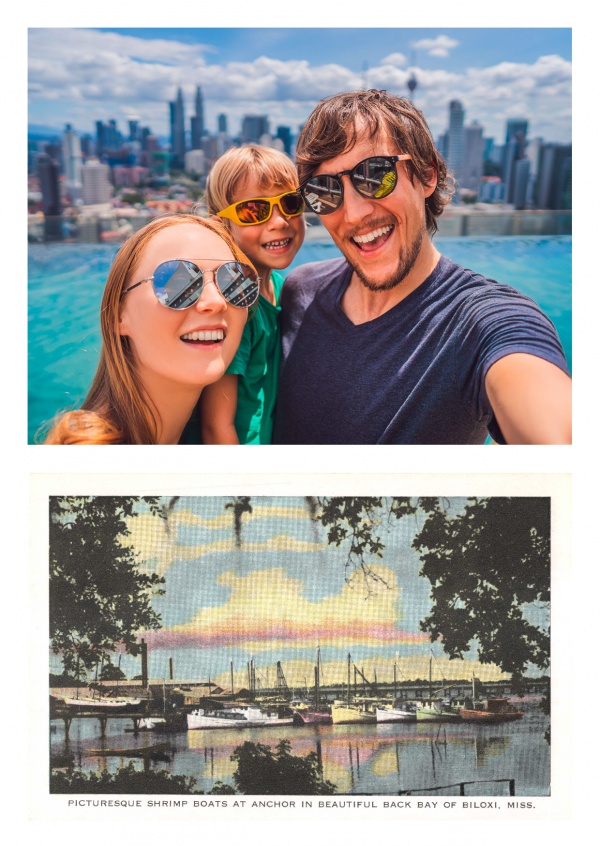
(235, 718)
(102, 704)
(395, 715)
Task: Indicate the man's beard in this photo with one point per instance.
(406, 262)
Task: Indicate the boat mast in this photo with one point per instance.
(349, 661)
(318, 677)
(430, 682)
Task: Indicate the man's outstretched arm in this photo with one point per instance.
(531, 399)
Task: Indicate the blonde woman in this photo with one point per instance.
(174, 308)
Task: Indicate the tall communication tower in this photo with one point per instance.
(412, 80)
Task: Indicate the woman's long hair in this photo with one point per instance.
(117, 409)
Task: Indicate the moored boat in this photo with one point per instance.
(241, 716)
(497, 710)
(437, 710)
(399, 712)
(115, 703)
(312, 716)
(351, 713)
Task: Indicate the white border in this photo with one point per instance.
(556, 807)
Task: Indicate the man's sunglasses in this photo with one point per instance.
(260, 209)
(375, 178)
(179, 283)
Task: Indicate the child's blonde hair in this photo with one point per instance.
(271, 168)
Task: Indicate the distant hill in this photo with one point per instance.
(39, 131)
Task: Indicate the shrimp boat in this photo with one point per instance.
(436, 709)
(317, 714)
(109, 704)
(491, 710)
(498, 710)
(240, 716)
(400, 712)
(356, 711)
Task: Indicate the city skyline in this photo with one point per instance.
(76, 76)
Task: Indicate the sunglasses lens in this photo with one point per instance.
(323, 194)
(238, 283)
(375, 177)
(177, 284)
(292, 204)
(253, 211)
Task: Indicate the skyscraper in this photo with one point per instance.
(284, 133)
(554, 182)
(177, 122)
(73, 160)
(517, 128)
(455, 138)
(514, 151)
(472, 165)
(222, 123)
(48, 173)
(253, 126)
(197, 121)
(96, 185)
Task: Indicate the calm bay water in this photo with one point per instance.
(66, 283)
(369, 759)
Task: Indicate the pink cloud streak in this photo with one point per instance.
(229, 636)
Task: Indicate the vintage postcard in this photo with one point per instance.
(348, 649)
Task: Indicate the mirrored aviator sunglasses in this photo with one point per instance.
(259, 210)
(374, 178)
(178, 284)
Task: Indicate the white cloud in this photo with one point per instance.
(396, 59)
(439, 46)
(88, 75)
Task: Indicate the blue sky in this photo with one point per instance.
(82, 75)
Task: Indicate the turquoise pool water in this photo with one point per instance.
(66, 283)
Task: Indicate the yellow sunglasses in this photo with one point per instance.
(260, 209)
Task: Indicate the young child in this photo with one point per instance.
(253, 190)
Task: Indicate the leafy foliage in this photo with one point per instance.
(125, 780)
(486, 566)
(99, 598)
(261, 771)
(111, 673)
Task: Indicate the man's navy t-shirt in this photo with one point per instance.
(414, 375)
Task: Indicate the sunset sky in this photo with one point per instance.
(281, 595)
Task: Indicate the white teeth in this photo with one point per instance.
(370, 236)
(273, 245)
(211, 335)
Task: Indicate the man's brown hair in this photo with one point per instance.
(339, 122)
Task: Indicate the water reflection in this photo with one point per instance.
(368, 759)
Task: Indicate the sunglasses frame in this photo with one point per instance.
(231, 211)
(350, 173)
(214, 272)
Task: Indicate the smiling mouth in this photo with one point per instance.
(278, 245)
(209, 336)
(373, 239)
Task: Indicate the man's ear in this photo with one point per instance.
(430, 181)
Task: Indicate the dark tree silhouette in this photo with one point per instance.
(488, 566)
(99, 598)
(240, 505)
(260, 771)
